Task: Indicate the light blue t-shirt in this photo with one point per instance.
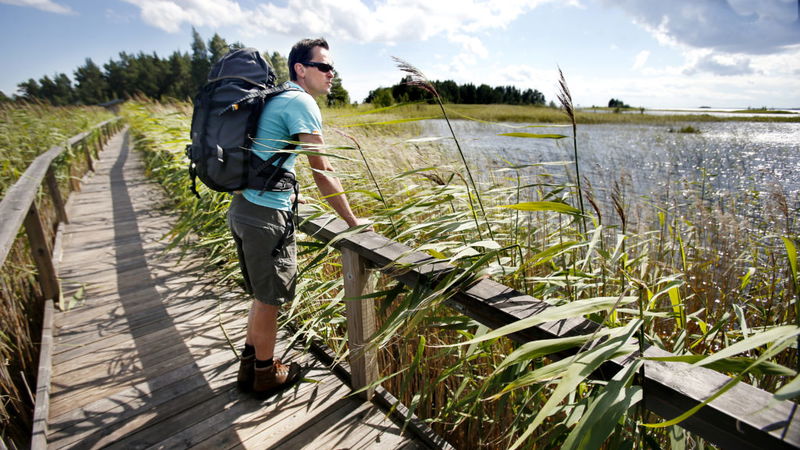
(284, 117)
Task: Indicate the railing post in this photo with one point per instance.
(98, 146)
(88, 154)
(40, 250)
(361, 323)
(55, 194)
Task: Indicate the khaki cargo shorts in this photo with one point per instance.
(267, 253)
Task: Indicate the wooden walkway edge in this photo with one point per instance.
(140, 358)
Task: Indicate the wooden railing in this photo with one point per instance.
(743, 417)
(19, 207)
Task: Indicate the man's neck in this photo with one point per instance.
(302, 85)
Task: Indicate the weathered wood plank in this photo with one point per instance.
(361, 323)
(744, 417)
(55, 194)
(42, 404)
(248, 415)
(42, 254)
(129, 401)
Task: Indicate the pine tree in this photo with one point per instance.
(218, 47)
(281, 67)
(30, 89)
(338, 95)
(92, 87)
(200, 61)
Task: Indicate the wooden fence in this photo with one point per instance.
(743, 417)
(19, 207)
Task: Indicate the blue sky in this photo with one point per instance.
(653, 53)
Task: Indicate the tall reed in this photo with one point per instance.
(472, 384)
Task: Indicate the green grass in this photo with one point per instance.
(692, 278)
(363, 115)
(27, 130)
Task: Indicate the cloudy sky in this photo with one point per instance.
(653, 53)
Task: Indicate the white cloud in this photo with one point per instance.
(732, 26)
(724, 65)
(641, 59)
(44, 5)
(385, 21)
(169, 15)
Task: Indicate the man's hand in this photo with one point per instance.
(363, 221)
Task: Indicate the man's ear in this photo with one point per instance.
(300, 70)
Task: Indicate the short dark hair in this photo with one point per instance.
(303, 52)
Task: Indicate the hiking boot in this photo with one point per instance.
(247, 365)
(275, 378)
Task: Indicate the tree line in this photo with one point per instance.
(452, 92)
(178, 76)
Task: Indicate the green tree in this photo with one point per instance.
(280, 65)
(467, 93)
(448, 90)
(483, 95)
(200, 62)
(4, 98)
(178, 82)
(338, 95)
(117, 77)
(616, 103)
(218, 48)
(92, 87)
(30, 89)
(380, 97)
(57, 90)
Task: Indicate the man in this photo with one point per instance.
(261, 221)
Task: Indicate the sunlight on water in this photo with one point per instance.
(726, 159)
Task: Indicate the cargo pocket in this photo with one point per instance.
(286, 267)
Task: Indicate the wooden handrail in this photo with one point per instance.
(18, 207)
(743, 417)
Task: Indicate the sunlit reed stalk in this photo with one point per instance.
(565, 98)
(419, 79)
(372, 176)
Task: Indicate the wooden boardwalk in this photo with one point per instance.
(140, 357)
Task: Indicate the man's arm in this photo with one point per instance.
(329, 186)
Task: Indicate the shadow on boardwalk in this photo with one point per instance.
(144, 361)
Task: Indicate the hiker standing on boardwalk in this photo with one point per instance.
(261, 221)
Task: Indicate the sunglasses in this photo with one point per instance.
(322, 67)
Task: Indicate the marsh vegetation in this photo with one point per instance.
(680, 255)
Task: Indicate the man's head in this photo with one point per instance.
(310, 66)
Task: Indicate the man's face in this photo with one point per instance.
(316, 81)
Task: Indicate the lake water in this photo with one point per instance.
(650, 160)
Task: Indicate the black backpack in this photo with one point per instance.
(224, 122)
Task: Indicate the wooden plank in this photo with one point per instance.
(18, 198)
(249, 416)
(361, 323)
(177, 397)
(88, 155)
(744, 417)
(126, 402)
(184, 412)
(42, 403)
(40, 250)
(55, 194)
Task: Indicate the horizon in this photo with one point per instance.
(670, 55)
